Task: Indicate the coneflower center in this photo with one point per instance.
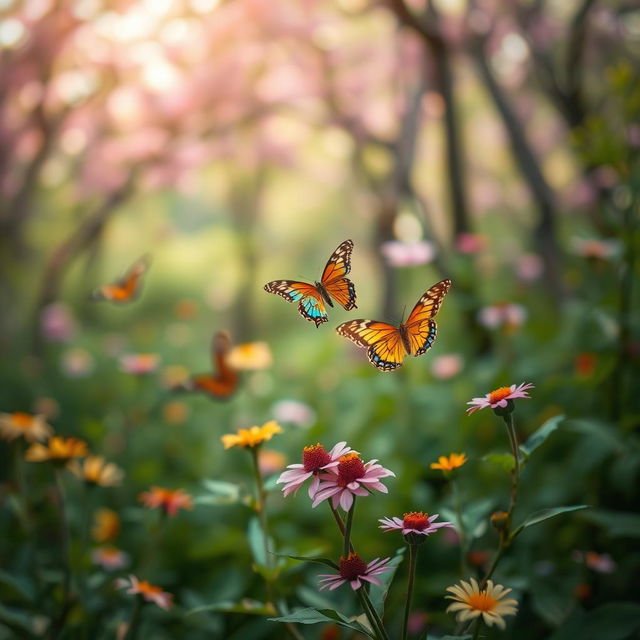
(416, 520)
(350, 469)
(499, 394)
(352, 566)
(315, 457)
(482, 601)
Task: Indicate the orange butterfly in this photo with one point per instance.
(128, 287)
(334, 284)
(388, 345)
(223, 382)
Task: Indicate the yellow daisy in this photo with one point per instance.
(20, 424)
(57, 449)
(471, 601)
(106, 525)
(95, 470)
(449, 463)
(252, 437)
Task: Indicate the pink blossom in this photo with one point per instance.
(529, 267)
(109, 558)
(408, 254)
(471, 243)
(508, 316)
(315, 459)
(148, 591)
(294, 412)
(351, 477)
(447, 365)
(139, 364)
(58, 325)
(354, 570)
(415, 522)
(499, 398)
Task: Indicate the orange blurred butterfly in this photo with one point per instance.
(311, 298)
(223, 381)
(388, 345)
(127, 288)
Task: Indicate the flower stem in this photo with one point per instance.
(134, 620)
(461, 530)
(261, 499)
(346, 547)
(413, 559)
(476, 632)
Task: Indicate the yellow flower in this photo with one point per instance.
(250, 356)
(450, 463)
(14, 425)
(57, 449)
(251, 437)
(106, 525)
(95, 470)
(471, 601)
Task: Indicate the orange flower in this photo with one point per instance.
(250, 356)
(251, 437)
(106, 525)
(170, 500)
(148, 591)
(471, 601)
(19, 424)
(57, 449)
(453, 461)
(95, 470)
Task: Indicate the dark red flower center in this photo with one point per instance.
(350, 468)
(315, 457)
(416, 520)
(352, 566)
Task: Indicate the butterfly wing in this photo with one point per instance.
(310, 303)
(421, 328)
(334, 279)
(383, 342)
(128, 287)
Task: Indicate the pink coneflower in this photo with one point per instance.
(408, 254)
(350, 477)
(500, 398)
(502, 316)
(354, 570)
(109, 558)
(148, 591)
(314, 460)
(415, 522)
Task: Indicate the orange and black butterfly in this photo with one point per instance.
(127, 288)
(388, 345)
(222, 382)
(311, 298)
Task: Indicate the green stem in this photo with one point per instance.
(367, 607)
(346, 547)
(476, 631)
(515, 474)
(261, 499)
(58, 624)
(134, 620)
(413, 559)
(461, 530)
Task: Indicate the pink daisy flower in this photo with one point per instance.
(350, 477)
(500, 398)
(415, 522)
(354, 570)
(314, 460)
(150, 592)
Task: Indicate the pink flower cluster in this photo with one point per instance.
(339, 474)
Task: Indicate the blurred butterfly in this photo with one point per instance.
(311, 298)
(128, 287)
(223, 381)
(388, 345)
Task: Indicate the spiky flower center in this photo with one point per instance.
(315, 457)
(352, 567)
(499, 394)
(350, 469)
(22, 420)
(482, 601)
(416, 520)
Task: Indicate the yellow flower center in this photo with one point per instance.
(499, 394)
(21, 420)
(482, 601)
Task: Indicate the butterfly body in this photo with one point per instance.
(386, 344)
(333, 285)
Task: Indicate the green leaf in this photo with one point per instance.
(317, 559)
(618, 524)
(546, 514)
(550, 602)
(219, 493)
(322, 616)
(246, 606)
(503, 461)
(378, 594)
(255, 536)
(539, 436)
(613, 621)
(17, 585)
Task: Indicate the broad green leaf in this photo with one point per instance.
(255, 536)
(378, 594)
(247, 606)
(219, 493)
(541, 434)
(326, 561)
(503, 461)
(546, 514)
(322, 616)
(476, 517)
(618, 524)
(550, 602)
